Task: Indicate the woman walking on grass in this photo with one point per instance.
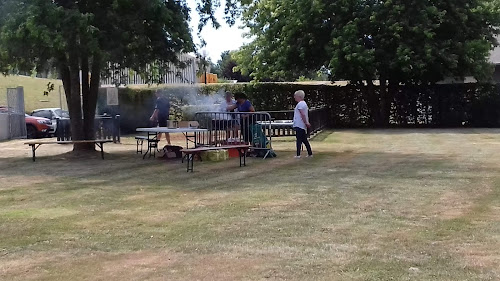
(301, 123)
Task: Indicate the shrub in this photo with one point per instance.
(349, 106)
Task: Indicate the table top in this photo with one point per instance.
(68, 142)
(277, 123)
(168, 130)
(200, 149)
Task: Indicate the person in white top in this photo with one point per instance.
(228, 102)
(301, 123)
(231, 125)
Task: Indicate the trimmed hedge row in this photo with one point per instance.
(352, 106)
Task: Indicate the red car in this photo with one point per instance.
(37, 126)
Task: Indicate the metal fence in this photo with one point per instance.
(233, 128)
(16, 113)
(106, 128)
(282, 122)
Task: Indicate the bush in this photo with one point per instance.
(351, 106)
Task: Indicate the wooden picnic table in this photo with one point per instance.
(36, 144)
(189, 133)
(192, 152)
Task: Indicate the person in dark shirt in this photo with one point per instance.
(161, 113)
(244, 105)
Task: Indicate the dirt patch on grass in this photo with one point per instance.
(28, 267)
(14, 181)
(452, 205)
(279, 205)
(481, 257)
(142, 265)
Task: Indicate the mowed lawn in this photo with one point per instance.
(371, 205)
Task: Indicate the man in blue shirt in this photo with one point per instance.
(161, 113)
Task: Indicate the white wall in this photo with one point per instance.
(4, 126)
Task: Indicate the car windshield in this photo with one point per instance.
(62, 113)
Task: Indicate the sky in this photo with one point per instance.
(218, 40)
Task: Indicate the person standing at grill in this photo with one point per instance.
(227, 103)
(161, 113)
(229, 123)
(244, 105)
(301, 123)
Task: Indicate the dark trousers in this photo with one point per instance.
(302, 139)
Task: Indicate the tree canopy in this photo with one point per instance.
(413, 41)
(87, 37)
(227, 68)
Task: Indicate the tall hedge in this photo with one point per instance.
(352, 106)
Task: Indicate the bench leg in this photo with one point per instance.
(243, 156)
(190, 162)
(33, 148)
(101, 146)
(139, 142)
(151, 149)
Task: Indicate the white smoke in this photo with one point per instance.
(192, 101)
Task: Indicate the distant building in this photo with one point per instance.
(175, 75)
(495, 60)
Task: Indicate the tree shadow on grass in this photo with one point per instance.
(123, 169)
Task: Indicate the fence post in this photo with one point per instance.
(116, 129)
(59, 130)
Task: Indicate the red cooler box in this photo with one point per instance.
(233, 153)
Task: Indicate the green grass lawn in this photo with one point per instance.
(371, 205)
(33, 91)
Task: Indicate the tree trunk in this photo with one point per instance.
(392, 91)
(90, 98)
(384, 103)
(66, 79)
(86, 106)
(373, 103)
(75, 101)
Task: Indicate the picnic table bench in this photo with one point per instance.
(190, 153)
(36, 144)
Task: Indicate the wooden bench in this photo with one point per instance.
(191, 153)
(140, 140)
(36, 144)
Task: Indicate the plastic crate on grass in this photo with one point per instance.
(215, 155)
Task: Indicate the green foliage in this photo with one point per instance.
(228, 68)
(87, 38)
(128, 33)
(50, 88)
(290, 39)
(409, 41)
(454, 105)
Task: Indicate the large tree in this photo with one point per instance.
(290, 38)
(227, 67)
(392, 41)
(86, 37)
